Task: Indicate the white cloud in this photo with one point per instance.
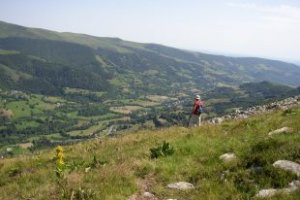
(278, 13)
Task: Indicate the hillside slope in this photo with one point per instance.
(46, 62)
(117, 168)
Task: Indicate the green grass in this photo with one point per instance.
(86, 132)
(27, 124)
(8, 52)
(123, 165)
(68, 90)
(19, 108)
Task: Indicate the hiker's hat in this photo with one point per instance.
(198, 97)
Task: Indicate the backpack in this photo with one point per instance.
(200, 109)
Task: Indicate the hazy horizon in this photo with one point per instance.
(268, 29)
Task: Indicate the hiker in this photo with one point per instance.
(197, 110)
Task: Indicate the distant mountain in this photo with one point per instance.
(47, 62)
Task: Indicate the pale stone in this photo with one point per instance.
(181, 186)
(228, 157)
(288, 166)
(266, 193)
(148, 195)
(281, 130)
(294, 185)
(87, 169)
(144, 196)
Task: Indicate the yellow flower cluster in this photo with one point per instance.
(60, 157)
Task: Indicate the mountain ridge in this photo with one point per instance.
(117, 39)
(122, 67)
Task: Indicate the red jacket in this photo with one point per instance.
(197, 104)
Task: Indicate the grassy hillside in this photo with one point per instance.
(116, 168)
(53, 61)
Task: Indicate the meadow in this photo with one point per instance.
(118, 167)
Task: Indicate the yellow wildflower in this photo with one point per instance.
(59, 157)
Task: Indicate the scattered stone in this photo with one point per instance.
(217, 120)
(266, 193)
(181, 186)
(148, 195)
(144, 196)
(281, 130)
(228, 157)
(288, 166)
(243, 114)
(87, 169)
(294, 185)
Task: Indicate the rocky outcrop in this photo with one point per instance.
(288, 166)
(243, 114)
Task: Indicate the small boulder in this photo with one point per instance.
(288, 166)
(144, 196)
(293, 186)
(281, 130)
(181, 186)
(266, 193)
(148, 196)
(228, 157)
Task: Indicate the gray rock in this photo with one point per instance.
(293, 186)
(266, 193)
(288, 166)
(281, 130)
(144, 196)
(217, 120)
(181, 186)
(228, 157)
(148, 195)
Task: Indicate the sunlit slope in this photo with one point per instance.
(116, 168)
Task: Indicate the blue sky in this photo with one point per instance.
(264, 28)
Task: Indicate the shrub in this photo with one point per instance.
(164, 150)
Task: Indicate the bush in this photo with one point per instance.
(164, 150)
